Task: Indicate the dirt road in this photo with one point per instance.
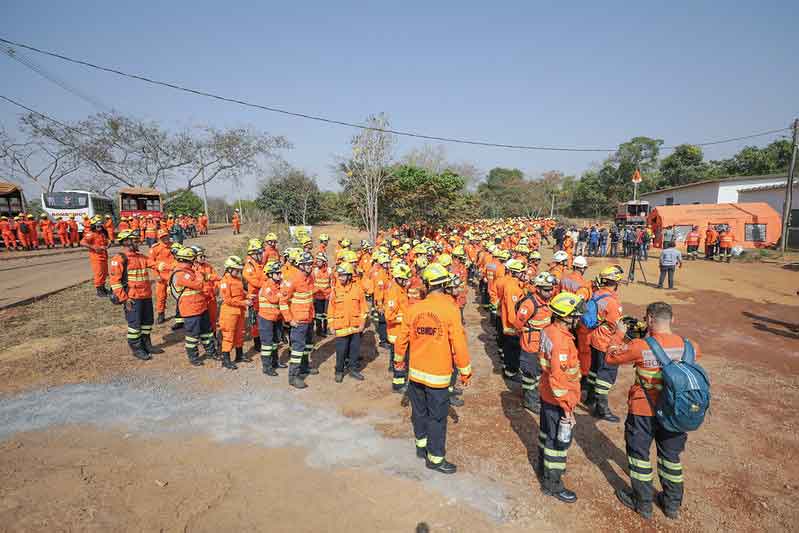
(31, 275)
(89, 429)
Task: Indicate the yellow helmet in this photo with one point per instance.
(125, 234)
(567, 304)
(535, 255)
(458, 251)
(186, 254)
(435, 275)
(611, 273)
(516, 265)
(395, 261)
(345, 243)
(345, 268)
(254, 245)
(96, 219)
(272, 267)
(304, 239)
(349, 257)
(295, 254)
(395, 243)
(522, 249)
(503, 255)
(402, 271)
(234, 262)
(495, 251)
(445, 260)
(420, 249)
(174, 248)
(383, 258)
(324, 237)
(270, 237)
(422, 261)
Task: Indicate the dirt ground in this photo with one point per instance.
(99, 473)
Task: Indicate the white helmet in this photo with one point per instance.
(580, 262)
(560, 256)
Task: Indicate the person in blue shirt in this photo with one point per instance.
(593, 241)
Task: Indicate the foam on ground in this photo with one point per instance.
(268, 418)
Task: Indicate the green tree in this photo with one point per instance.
(291, 196)
(183, 202)
(420, 195)
(684, 165)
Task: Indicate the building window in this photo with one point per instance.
(755, 232)
(669, 200)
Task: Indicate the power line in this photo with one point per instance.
(352, 124)
(51, 119)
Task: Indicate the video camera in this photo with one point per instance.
(636, 329)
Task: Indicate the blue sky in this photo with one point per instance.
(586, 74)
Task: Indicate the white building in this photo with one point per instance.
(773, 195)
(722, 191)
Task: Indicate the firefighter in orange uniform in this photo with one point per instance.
(396, 306)
(234, 306)
(348, 312)
(323, 277)
(9, 240)
(162, 260)
(558, 265)
(296, 305)
(96, 241)
(726, 240)
(692, 243)
(236, 222)
(109, 227)
(324, 239)
(432, 334)
(210, 287)
(511, 291)
(270, 325)
(574, 282)
(416, 290)
(532, 316)
(62, 229)
(711, 240)
(560, 393)
(33, 234)
(379, 277)
(193, 307)
(270, 249)
(601, 376)
(641, 426)
(47, 231)
(130, 286)
(253, 280)
(74, 236)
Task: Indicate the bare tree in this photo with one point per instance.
(40, 160)
(430, 158)
(369, 169)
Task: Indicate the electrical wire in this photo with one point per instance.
(327, 120)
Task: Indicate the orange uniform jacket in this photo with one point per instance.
(512, 293)
(271, 254)
(322, 279)
(269, 300)
(189, 285)
(532, 316)
(433, 332)
(416, 290)
(494, 271)
(379, 283)
(296, 298)
(138, 281)
(711, 237)
(647, 368)
(95, 240)
(348, 309)
(557, 270)
(726, 240)
(609, 313)
(234, 300)
(396, 304)
(692, 239)
(460, 270)
(575, 283)
(560, 368)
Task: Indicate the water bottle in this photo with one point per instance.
(564, 431)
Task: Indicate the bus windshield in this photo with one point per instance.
(66, 200)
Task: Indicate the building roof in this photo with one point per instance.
(144, 191)
(718, 180)
(6, 187)
(776, 187)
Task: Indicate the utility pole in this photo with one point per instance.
(552, 206)
(786, 208)
(205, 192)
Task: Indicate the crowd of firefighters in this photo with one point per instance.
(412, 285)
(26, 232)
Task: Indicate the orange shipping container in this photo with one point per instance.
(754, 225)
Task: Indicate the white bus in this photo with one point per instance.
(78, 203)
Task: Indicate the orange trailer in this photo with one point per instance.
(754, 225)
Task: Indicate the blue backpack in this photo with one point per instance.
(685, 397)
(590, 318)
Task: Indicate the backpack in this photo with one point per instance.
(685, 397)
(590, 318)
(24, 228)
(536, 307)
(112, 296)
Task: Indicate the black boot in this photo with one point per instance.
(226, 362)
(239, 354)
(266, 366)
(256, 343)
(194, 357)
(339, 377)
(177, 325)
(602, 410)
(138, 350)
(672, 512)
(531, 401)
(148, 345)
(161, 318)
(455, 401)
(297, 382)
(445, 467)
(627, 498)
(354, 374)
(101, 292)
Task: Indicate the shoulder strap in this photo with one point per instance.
(688, 354)
(657, 349)
(600, 297)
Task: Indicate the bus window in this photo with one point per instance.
(66, 200)
(129, 203)
(153, 205)
(15, 204)
(102, 206)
